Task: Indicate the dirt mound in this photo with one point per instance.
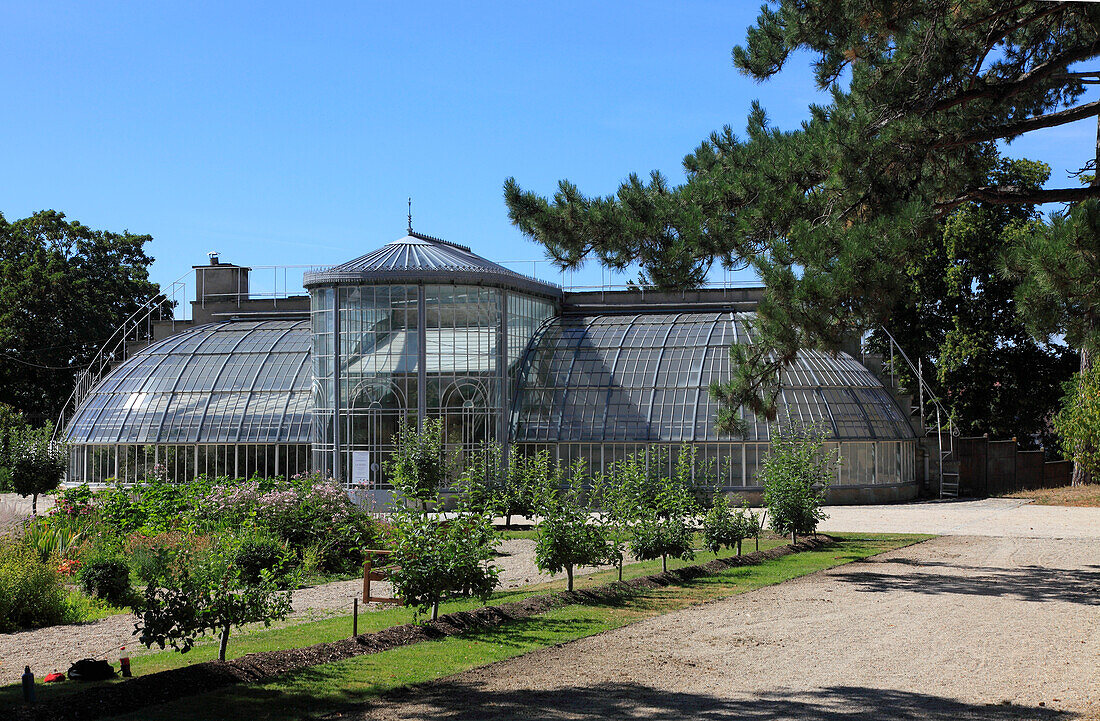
(119, 698)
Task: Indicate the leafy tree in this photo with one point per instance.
(920, 92)
(796, 474)
(479, 480)
(36, 464)
(64, 289)
(434, 559)
(664, 525)
(11, 420)
(722, 526)
(617, 493)
(994, 376)
(566, 536)
(204, 591)
(1058, 268)
(417, 468)
(523, 480)
(1078, 422)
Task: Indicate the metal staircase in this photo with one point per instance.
(944, 430)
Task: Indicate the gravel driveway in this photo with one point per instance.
(956, 628)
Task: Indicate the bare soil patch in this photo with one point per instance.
(1086, 495)
(954, 628)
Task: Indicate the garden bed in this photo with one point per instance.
(117, 698)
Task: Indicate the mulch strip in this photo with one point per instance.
(115, 699)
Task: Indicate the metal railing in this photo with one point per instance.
(949, 480)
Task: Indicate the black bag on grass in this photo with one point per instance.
(90, 669)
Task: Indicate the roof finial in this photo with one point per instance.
(410, 216)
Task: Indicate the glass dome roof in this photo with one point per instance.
(418, 258)
(229, 382)
(644, 378)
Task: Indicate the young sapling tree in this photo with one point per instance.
(566, 536)
(796, 474)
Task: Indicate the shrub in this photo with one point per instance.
(31, 592)
(796, 475)
(302, 513)
(151, 557)
(258, 554)
(106, 577)
(74, 503)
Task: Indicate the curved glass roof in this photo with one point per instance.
(230, 382)
(644, 378)
(418, 258)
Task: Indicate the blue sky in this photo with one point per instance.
(292, 133)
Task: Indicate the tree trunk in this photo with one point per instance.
(435, 611)
(1080, 474)
(508, 520)
(664, 562)
(794, 537)
(569, 578)
(34, 504)
(738, 546)
(224, 642)
(620, 570)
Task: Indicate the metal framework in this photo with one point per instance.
(608, 385)
(190, 398)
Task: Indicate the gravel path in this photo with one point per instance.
(986, 517)
(55, 647)
(955, 628)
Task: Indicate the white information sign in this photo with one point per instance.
(360, 468)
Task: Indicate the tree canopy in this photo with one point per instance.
(962, 320)
(64, 289)
(920, 93)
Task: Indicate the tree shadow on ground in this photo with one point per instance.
(1027, 583)
(452, 701)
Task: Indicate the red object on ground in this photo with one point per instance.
(52, 677)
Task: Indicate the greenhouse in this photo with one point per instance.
(229, 398)
(423, 328)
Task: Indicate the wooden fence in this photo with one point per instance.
(994, 468)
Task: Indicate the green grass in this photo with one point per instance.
(327, 687)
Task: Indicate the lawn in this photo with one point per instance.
(328, 687)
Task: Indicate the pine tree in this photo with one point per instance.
(920, 92)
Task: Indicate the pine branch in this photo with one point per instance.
(1003, 91)
(1049, 120)
(1013, 195)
